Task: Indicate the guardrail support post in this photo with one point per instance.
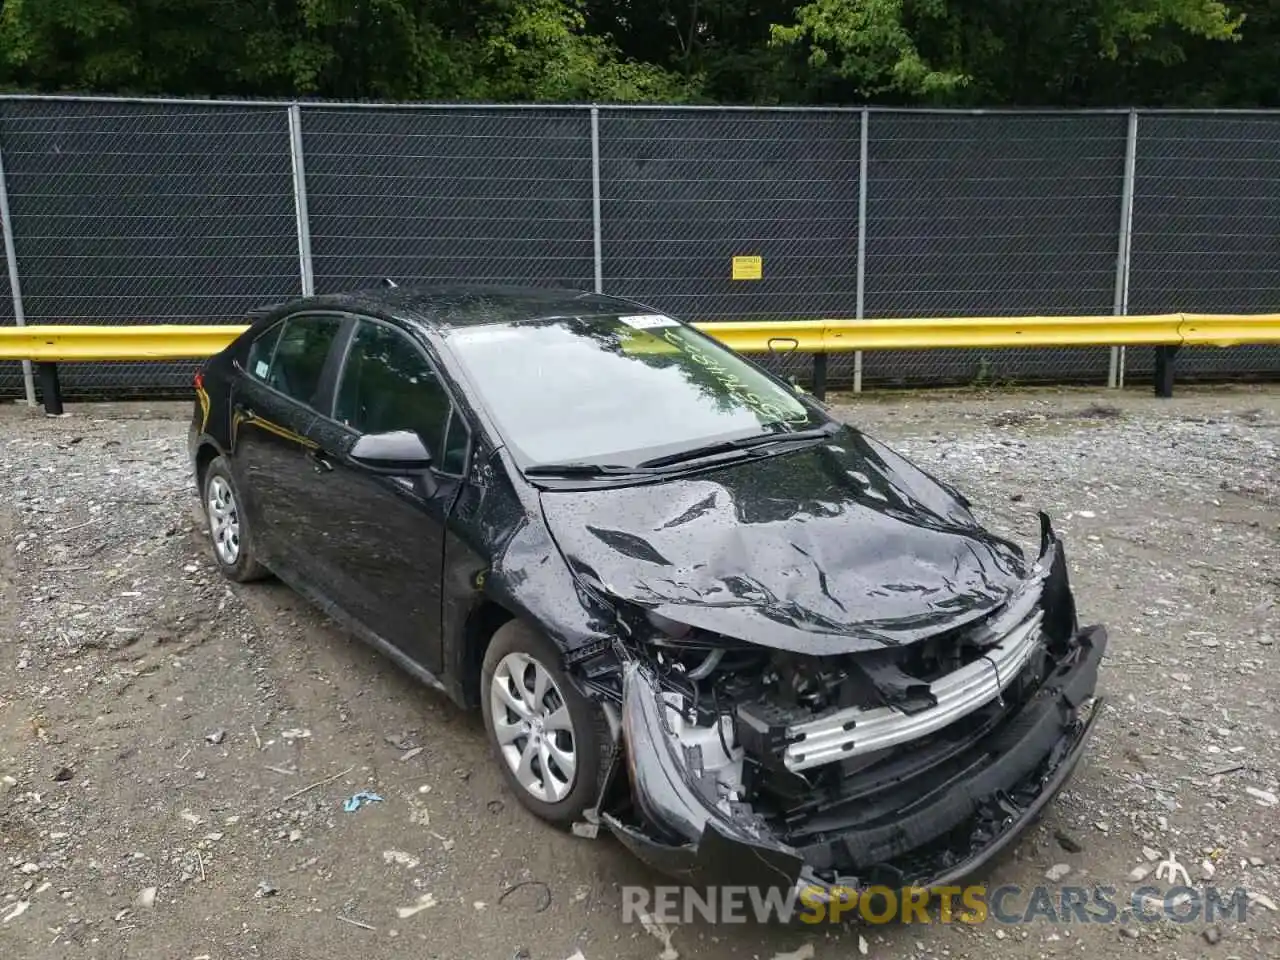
(1165, 357)
(820, 376)
(50, 390)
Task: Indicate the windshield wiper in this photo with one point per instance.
(581, 470)
(743, 443)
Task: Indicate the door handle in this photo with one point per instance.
(322, 463)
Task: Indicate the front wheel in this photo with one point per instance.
(549, 740)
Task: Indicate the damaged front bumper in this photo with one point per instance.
(954, 817)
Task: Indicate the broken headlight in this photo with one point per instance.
(695, 654)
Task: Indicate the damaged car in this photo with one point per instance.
(749, 640)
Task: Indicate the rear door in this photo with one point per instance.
(287, 375)
(389, 530)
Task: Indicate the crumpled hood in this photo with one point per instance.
(836, 548)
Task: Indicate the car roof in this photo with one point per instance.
(451, 306)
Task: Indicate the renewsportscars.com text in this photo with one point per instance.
(1007, 904)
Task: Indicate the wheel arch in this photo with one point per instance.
(206, 452)
(482, 623)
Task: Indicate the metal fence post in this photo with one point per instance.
(300, 200)
(860, 303)
(1124, 253)
(596, 226)
(15, 287)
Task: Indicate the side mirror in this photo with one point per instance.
(397, 452)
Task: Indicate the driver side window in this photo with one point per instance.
(387, 384)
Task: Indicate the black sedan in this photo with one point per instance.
(748, 640)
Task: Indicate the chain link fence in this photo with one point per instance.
(430, 196)
(992, 215)
(152, 211)
(683, 194)
(137, 213)
(10, 371)
(1206, 230)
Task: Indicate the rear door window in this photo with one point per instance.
(258, 360)
(297, 362)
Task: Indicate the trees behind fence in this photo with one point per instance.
(127, 211)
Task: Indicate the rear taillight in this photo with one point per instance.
(199, 380)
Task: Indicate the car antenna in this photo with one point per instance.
(388, 282)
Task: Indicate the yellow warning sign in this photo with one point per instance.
(748, 268)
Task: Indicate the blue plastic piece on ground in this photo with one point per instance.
(352, 804)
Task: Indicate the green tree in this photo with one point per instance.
(964, 52)
(719, 47)
(377, 49)
(874, 44)
(1009, 51)
(542, 50)
(389, 49)
(141, 46)
(1207, 73)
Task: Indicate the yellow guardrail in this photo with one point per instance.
(50, 344)
(769, 336)
(65, 342)
(836, 336)
(1226, 330)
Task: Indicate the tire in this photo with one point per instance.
(515, 655)
(229, 533)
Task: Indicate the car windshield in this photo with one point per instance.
(617, 389)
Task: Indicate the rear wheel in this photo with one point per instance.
(232, 545)
(549, 740)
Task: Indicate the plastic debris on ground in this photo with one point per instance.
(424, 902)
(356, 801)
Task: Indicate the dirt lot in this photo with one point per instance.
(158, 726)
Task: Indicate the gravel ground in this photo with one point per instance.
(174, 751)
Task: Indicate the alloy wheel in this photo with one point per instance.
(224, 520)
(534, 730)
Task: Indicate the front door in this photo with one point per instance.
(388, 531)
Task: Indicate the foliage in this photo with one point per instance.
(995, 52)
(873, 43)
(1025, 51)
(388, 49)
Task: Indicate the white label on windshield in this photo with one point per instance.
(647, 321)
(261, 368)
